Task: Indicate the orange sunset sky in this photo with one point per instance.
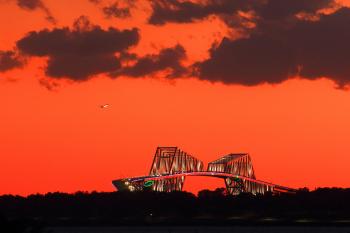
(211, 77)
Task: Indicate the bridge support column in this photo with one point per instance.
(234, 186)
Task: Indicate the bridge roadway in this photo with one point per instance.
(276, 187)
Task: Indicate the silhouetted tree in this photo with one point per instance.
(157, 207)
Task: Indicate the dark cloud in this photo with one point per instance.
(177, 11)
(114, 10)
(249, 61)
(168, 59)
(290, 37)
(81, 52)
(10, 60)
(30, 4)
(34, 5)
(117, 9)
(276, 9)
(323, 47)
(274, 15)
(283, 43)
(314, 48)
(87, 50)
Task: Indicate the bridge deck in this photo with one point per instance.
(207, 173)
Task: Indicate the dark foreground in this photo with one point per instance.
(211, 211)
(199, 229)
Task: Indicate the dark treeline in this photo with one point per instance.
(209, 207)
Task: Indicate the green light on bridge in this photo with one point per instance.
(148, 183)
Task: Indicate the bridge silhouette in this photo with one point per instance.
(171, 165)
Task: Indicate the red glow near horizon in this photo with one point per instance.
(296, 132)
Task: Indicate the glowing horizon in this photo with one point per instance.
(291, 117)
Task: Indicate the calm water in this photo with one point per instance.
(257, 229)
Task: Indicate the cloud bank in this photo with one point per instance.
(273, 53)
(87, 50)
(306, 38)
(80, 52)
(289, 38)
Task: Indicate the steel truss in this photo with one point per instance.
(171, 160)
(238, 164)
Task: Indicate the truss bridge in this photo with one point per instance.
(171, 166)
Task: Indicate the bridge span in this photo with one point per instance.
(170, 167)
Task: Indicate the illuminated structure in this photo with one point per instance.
(170, 167)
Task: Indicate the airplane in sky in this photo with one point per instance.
(104, 106)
